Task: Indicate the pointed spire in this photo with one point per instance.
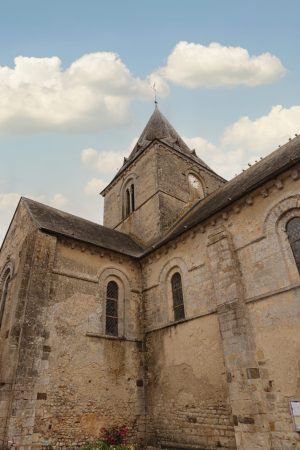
(158, 127)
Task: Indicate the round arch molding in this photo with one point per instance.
(176, 264)
(282, 208)
(274, 229)
(105, 276)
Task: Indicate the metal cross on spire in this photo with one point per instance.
(155, 95)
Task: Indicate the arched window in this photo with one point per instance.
(112, 294)
(127, 203)
(177, 294)
(132, 197)
(129, 200)
(293, 232)
(4, 293)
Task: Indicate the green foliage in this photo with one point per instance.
(101, 445)
(112, 438)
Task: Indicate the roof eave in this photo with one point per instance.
(84, 241)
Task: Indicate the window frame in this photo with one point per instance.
(112, 319)
(177, 297)
(129, 200)
(132, 197)
(291, 239)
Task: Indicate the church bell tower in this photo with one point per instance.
(157, 183)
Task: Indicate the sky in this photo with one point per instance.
(76, 89)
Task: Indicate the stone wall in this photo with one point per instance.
(186, 388)
(221, 378)
(144, 223)
(239, 275)
(71, 378)
(162, 193)
(271, 282)
(16, 255)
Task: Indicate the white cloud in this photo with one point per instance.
(225, 163)
(92, 94)
(247, 140)
(95, 91)
(102, 161)
(261, 135)
(194, 65)
(58, 201)
(94, 186)
(9, 200)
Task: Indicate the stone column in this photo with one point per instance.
(9, 345)
(243, 375)
(32, 335)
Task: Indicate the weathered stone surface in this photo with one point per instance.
(222, 377)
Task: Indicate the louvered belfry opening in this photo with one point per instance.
(112, 293)
(293, 232)
(178, 304)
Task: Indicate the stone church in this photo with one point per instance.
(178, 318)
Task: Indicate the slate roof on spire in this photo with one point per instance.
(158, 127)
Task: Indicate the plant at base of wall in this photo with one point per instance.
(114, 435)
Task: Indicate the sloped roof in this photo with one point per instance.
(268, 168)
(159, 128)
(61, 223)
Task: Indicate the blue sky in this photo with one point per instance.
(70, 108)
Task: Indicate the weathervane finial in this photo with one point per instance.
(155, 95)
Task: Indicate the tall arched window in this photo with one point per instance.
(132, 197)
(177, 294)
(127, 203)
(293, 232)
(112, 294)
(4, 293)
(129, 200)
